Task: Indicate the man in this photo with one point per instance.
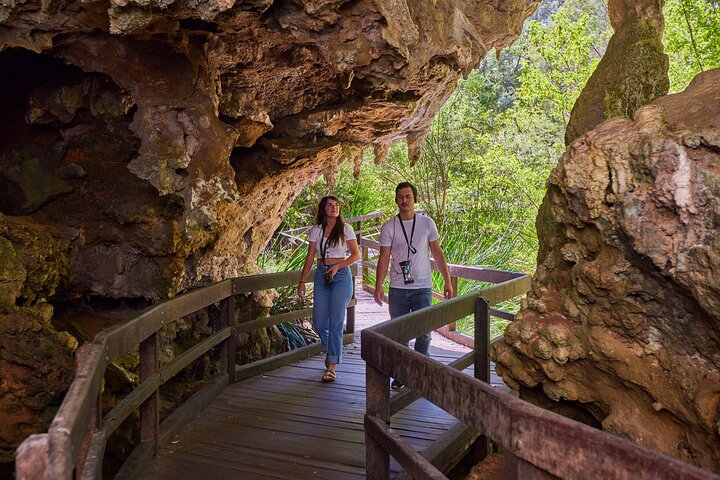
(408, 239)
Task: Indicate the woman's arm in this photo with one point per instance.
(306, 268)
(354, 256)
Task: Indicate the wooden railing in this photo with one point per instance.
(539, 444)
(75, 443)
(362, 224)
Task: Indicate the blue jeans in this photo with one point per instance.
(406, 300)
(329, 307)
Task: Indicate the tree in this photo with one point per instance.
(692, 39)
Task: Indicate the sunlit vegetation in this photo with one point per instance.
(485, 161)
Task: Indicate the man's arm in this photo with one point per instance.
(382, 269)
(442, 265)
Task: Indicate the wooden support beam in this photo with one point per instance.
(227, 347)
(149, 414)
(377, 395)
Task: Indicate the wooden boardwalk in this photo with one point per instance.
(288, 425)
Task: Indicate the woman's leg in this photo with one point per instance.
(340, 294)
(321, 310)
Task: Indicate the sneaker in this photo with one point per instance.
(396, 385)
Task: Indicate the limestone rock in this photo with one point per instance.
(632, 73)
(156, 122)
(37, 367)
(168, 137)
(623, 318)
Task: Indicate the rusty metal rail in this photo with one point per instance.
(75, 443)
(540, 443)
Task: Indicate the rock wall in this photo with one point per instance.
(162, 140)
(173, 135)
(623, 318)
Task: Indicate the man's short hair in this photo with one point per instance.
(409, 185)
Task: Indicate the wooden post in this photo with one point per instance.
(81, 356)
(31, 458)
(350, 313)
(482, 340)
(452, 326)
(149, 417)
(377, 460)
(364, 258)
(227, 347)
(479, 449)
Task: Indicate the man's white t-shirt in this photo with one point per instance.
(391, 235)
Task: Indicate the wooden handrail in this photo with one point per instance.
(293, 233)
(540, 442)
(76, 440)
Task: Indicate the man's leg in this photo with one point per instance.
(398, 304)
(421, 298)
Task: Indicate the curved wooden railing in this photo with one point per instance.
(540, 444)
(75, 443)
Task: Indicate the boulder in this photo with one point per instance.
(623, 318)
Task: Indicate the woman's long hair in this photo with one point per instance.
(337, 235)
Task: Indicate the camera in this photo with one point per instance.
(405, 267)
(328, 277)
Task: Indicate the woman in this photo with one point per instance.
(330, 239)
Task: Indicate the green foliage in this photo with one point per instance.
(691, 39)
(561, 60)
(357, 196)
(482, 171)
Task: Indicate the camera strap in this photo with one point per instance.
(323, 248)
(411, 249)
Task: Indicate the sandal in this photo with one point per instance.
(328, 376)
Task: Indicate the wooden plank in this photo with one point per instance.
(149, 409)
(196, 463)
(68, 428)
(261, 366)
(182, 415)
(408, 396)
(539, 434)
(132, 401)
(124, 337)
(31, 458)
(449, 449)
(228, 319)
(377, 407)
(411, 325)
(142, 454)
(193, 353)
(287, 411)
(473, 402)
(270, 321)
(93, 464)
(412, 461)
